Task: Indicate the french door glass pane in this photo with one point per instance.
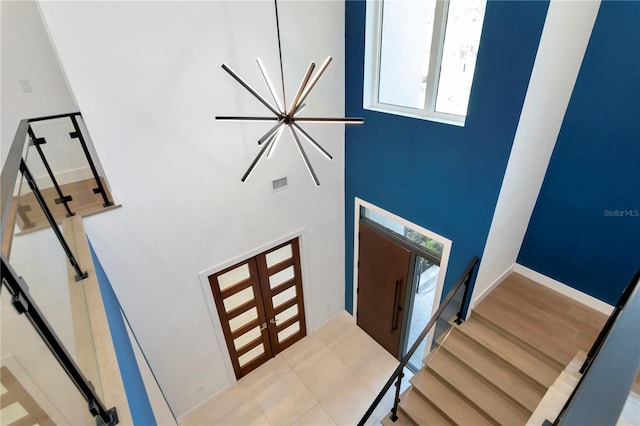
(462, 38)
(243, 319)
(234, 276)
(251, 355)
(238, 299)
(284, 297)
(277, 256)
(407, 27)
(281, 277)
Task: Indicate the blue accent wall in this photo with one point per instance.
(139, 404)
(442, 177)
(585, 228)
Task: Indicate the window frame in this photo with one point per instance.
(373, 42)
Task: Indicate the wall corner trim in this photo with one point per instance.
(561, 288)
(476, 301)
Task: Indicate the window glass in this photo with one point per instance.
(421, 56)
(405, 48)
(462, 38)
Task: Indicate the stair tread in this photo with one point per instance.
(558, 328)
(508, 382)
(447, 401)
(419, 411)
(530, 365)
(561, 306)
(525, 333)
(486, 398)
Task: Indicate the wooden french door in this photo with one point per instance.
(260, 305)
(382, 284)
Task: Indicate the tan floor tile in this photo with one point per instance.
(355, 348)
(264, 375)
(377, 371)
(218, 407)
(348, 402)
(285, 400)
(335, 327)
(323, 372)
(248, 413)
(317, 416)
(302, 350)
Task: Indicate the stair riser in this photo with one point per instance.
(486, 412)
(500, 360)
(515, 339)
(498, 389)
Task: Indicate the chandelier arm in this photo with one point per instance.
(301, 88)
(313, 142)
(256, 160)
(315, 79)
(270, 132)
(269, 85)
(329, 120)
(276, 139)
(304, 156)
(250, 89)
(237, 118)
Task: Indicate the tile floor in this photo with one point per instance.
(329, 378)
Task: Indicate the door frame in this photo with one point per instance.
(203, 277)
(444, 261)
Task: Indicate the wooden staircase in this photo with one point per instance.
(496, 367)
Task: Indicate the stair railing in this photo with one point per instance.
(598, 346)
(397, 375)
(18, 290)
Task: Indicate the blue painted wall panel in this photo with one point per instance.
(442, 177)
(139, 404)
(585, 228)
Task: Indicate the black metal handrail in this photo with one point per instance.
(606, 329)
(76, 134)
(24, 304)
(599, 342)
(21, 299)
(397, 375)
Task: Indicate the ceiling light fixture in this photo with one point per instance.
(284, 116)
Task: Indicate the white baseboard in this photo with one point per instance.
(476, 301)
(561, 288)
(181, 418)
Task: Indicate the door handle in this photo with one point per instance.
(273, 320)
(394, 312)
(263, 327)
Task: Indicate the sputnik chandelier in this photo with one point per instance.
(283, 115)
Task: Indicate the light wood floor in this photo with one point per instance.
(496, 367)
(29, 216)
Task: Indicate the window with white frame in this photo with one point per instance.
(420, 57)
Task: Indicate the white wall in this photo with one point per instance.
(562, 46)
(27, 54)
(147, 78)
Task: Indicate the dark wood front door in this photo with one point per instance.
(260, 306)
(382, 283)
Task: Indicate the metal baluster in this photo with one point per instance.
(80, 275)
(62, 199)
(396, 401)
(77, 134)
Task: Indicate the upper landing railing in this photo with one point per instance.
(611, 365)
(22, 209)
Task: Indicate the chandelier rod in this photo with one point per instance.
(284, 96)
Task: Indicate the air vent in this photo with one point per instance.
(279, 184)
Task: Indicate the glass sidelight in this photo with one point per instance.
(260, 305)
